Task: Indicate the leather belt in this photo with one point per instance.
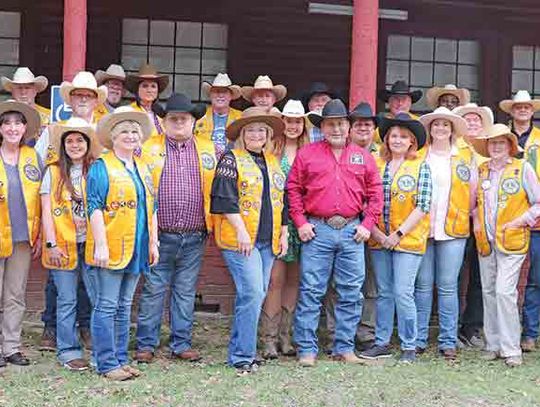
(337, 221)
(178, 231)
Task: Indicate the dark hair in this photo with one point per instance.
(18, 115)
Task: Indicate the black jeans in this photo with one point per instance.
(472, 318)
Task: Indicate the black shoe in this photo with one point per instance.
(376, 352)
(3, 362)
(18, 359)
(245, 369)
(408, 357)
(364, 346)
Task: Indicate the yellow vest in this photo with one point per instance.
(44, 115)
(250, 186)
(205, 125)
(100, 112)
(120, 212)
(155, 132)
(533, 157)
(404, 190)
(154, 152)
(512, 202)
(30, 176)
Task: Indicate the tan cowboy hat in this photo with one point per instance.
(83, 80)
(222, 80)
(22, 76)
(121, 114)
(433, 95)
(484, 112)
(264, 82)
(75, 125)
(33, 120)
(252, 115)
(458, 123)
(480, 144)
(113, 72)
(146, 72)
(522, 96)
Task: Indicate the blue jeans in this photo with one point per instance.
(330, 252)
(251, 276)
(440, 265)
(395, 273)
(180, 258)
(531, 304)
(111, 318)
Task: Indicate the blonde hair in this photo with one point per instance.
(386, 154)
(268, 146)
(123, 125)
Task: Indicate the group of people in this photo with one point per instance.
(310, 205)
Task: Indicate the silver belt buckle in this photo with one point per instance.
(337, 222)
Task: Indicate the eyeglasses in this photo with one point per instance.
(85, 95)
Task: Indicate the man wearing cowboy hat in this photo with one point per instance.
(400, 99)
(220, 113)
(114, 78)
(449, 96)
(264, 93)
(363, 126)
(318, 94)
(183, 171)
(331, 184)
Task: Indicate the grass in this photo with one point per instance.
(430, 382)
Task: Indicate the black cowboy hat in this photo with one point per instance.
(180, 103)
(334, 109)
(400, 88)
(363, 111)
(317, 88)
(406, 121)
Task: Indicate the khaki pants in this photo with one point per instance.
(499, 273)
(13, 276)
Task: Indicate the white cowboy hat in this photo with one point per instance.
(23, 75)
(222, 80)
(484, 112)
(458, 123)
(121, 114)
(33, 120)
(293, 108)
(264, 82)
(498, 129)
(83, 80)
(78, 125)
(114, 71)
(433, 95)
(522, 96)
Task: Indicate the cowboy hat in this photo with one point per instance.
(294, 108)
(113, 72)
(334, 109)
(33, 120)
(522, 96)
(121, 114)
(458, 123)
(22, 76)
(83, 80)
(75, 125)
(264, 82)
(146, 72)
(403, 120)
(317, 88)
(480, 144)
(400, 88)
(363, 111)
(433, 95)
(484, 112)
(255, 114)
(222, 80)
(180, 103)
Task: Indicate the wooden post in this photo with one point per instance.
(75, 20)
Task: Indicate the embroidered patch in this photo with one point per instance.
(2, 198)
(115, 205)
(406, 183)
(510, 186)
(486, 184)
(208, 161)
(401, 197)
(243, 185)
(357, 159)
(279, 181)
(246, 205)
(131, 204)
(57, 211)
(463, 172)
(32, 172)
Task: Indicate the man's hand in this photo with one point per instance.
(306, 232)
(362, 234)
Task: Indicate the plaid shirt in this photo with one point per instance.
(423, 198)
(180, 193)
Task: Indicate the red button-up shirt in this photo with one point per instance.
(318, 185)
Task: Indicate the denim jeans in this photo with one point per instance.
(531, 304)
(251, 276)
(180, 259)
(330, 253)
(111, 318)
(440, 265)
(396, 274)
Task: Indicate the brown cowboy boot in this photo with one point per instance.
(285, 328)
(269, 334)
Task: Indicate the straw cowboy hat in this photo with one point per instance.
(255, 114)
(146, 72)
(363, 111)
(433, 95)
(400, 88)
(294, 108)
(222, 80)
(75, 125)
(522, 96)
(121, 114)
(83, 80)
(114, 71)
(484, 112)
(33, 120)
(458, 123)
(264, 82)
(404, 120)
(480, 144)
(334, 109)
(24, 76)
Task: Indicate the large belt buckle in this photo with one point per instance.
(337, 222)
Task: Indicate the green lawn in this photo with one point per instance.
(430, 382)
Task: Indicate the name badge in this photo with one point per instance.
(357, 159)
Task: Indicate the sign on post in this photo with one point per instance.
(59, 109)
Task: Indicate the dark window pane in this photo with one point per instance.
(445, 50)
(162, 33)
(134, 31)
(10, 24)
(422, 49)
(421, 74)
(396, 70)
(162, 58)
(188, 34)
(469, 52)
(214, 35)
(445, 74)
(214, 61)
(9, 51)
(522, 80)
(398, 47)
(523, 57)
(188, 60)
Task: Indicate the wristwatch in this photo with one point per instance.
(399, 233)
(50, 245)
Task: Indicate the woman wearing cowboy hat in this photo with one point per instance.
(20, 177)
(508, 206)
(122, 240)
(64, 229)
(399, 240)
(251, 224)
(454, 179)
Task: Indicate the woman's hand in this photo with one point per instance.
(56, 256)
(391, 241)
(36, 249)
(101, 255)
(514, 224)
(283, 242)
(244, 242)
(154, 253)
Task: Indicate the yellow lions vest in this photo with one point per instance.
(155, 131)
(532, 155)
(205, 125)
(120, 212)
(404, 190)
(250, 187)
(44, 115)
(30, 176)
(154, 152)
(512, 202)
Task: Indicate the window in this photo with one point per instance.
(425, 62)
(526, 69)
(10, 32)
(189, 52)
